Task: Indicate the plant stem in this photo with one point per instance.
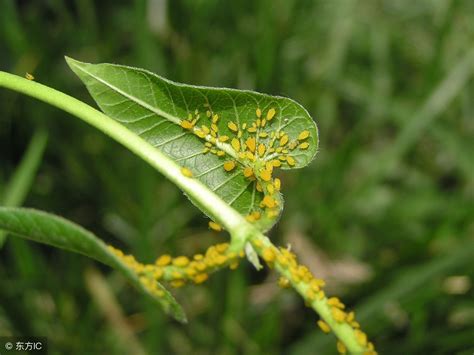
(199, 193)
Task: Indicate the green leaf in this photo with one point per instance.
(56, 231)
(22, 179)
(178, 120)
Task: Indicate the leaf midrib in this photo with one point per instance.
(174, 119)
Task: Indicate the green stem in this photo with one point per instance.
(199, 193)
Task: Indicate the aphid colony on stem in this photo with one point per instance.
(180, 270)
(311, 289)
(256, 148)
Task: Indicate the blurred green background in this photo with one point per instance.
(385, 213)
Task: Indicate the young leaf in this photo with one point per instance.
(230, 140)
(56, 231)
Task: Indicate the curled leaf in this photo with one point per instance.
(233, 141)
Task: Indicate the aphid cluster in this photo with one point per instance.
(297, 274)
(256, 148)
(180, 270)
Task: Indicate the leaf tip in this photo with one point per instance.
(73, 63)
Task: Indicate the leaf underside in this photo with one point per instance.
(252, 135)
(56, 231)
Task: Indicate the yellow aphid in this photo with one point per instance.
(265, 175)
(254, 216)
(271, 114)
(269, 166)
(250, 156)
(283, 282)
(303, 135)
(277, 184)
(321, 295)
(291, 161)
(270, 189)
(220, 153)
(29, 76)
(282, 157)
(163, 260)
(207, 144)
(334, 301)
(252, 129)
(283, 140)
(181, 261)
(198, 257)
(234, 265)
(214, 127)
(258, 122)
(213, 151)
(158, 273)
(235, 143)
(177, 283)
(268, 255)
(264, 122)
(261, 149)
(223, 138)
(215, 118)
(190, 116)
(186, 172)
(276, 163)
(341, 348)
(200, 133)
(279, 149)
(229, 165)
(239, 134)
(259, 113)
(208, 113)
(232, 126)
(338, 315)
(215, 226)
(200, 278)
(205, 129)
(304, 145)
(259, 187)
(186, 124)
(251, 144)
(244, 126)
(201, 266)
(213, 134)
(361, 337)
(355, 325)
(250, 218)
(324, 326)
(350, 317)
(248, 172)
(269, 201)
(263, 134)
